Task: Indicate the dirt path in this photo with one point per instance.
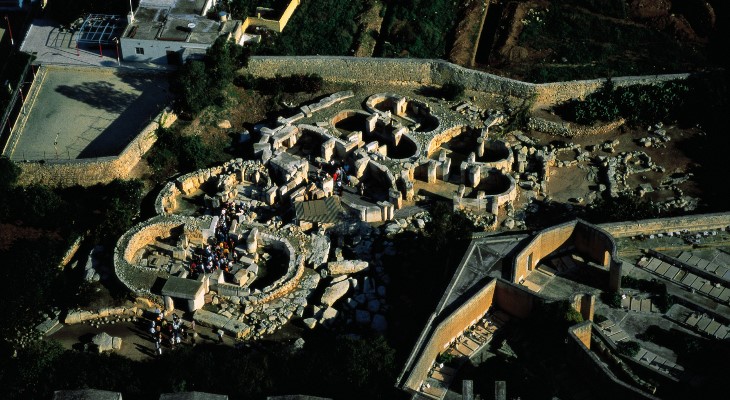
(370, 22)
(466, 36)
(137, 343)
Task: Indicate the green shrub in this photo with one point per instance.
(639, 104)
(611, 299)
(199, 84)
(419, 28)
(174, 152)
(452, 91)
(598, 318)
(628, 348)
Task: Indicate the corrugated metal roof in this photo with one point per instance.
(326, 211)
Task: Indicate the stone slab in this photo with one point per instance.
(698, 283)
(706, 288)
(662, 268)
(712, 328)
(689, 279)
(684, 256)
(654, 263)
(703, 322)
(210, 319)
(671, 272)
(715, 292)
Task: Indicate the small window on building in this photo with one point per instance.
(139, 50)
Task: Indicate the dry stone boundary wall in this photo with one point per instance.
(435, 72)
(663, 225)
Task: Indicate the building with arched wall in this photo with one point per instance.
(586, 239)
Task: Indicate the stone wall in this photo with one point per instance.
(448, 330)
(78, 316)
(87, 172)
(702, 222)
(566, 129)
(548, 94)
(140, 280)
(516, 300)
(166, 200)
(435, 72)
(603, 379)
(70, 253)
(290, 280)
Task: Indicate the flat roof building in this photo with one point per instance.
(171, 31)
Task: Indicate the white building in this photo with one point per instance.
(171, 31)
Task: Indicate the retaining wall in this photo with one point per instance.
(435, 72)
(87, 172)
(588, 239)
(700, 222)
(448, 330)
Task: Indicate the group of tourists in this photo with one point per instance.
(169, 333)
(339, 174)
(221, 254)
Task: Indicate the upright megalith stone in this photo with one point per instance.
(252, 241)
(320, 250)
(104, 342)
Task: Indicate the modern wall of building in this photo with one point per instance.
(448, 330)
(155, 51)
(588, 240)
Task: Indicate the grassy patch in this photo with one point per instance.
(323, 27)
(592, 41)
(419, 28)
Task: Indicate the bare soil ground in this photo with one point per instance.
(10, 233)
(689, 24)
(370, 22)
(572, 182)
(466, 36)
(137, 343)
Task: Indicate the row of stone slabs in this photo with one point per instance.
(686, 278)
(638, 304)
(703, 264)
(616, 334)
(708, 325)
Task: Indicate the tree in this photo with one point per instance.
(9, 174)
(448, 226)
(199, 84)
(122, 202)
(628, 348)
(191, 86)
(452, 91)
(624, 207)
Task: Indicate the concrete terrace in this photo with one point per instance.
(76, 113)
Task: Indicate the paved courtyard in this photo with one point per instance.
(86, 112)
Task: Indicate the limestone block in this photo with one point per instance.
(334, 293)
(346, 267)
(432, 168)
(103, 342)
(379, 323)
(310, 322)
(395, 198)
(319, 252)
(328, 316)
(370, 123)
